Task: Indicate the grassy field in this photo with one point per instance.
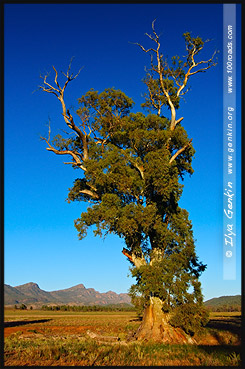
(50, 338)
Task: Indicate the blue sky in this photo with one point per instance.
(41, 243)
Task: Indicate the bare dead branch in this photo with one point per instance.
(142, 47)
(151, 37)
(160, 73)
(154, 32)
(70, 77)
(179, 120)
(153, 29)
(194, 64)
(179, 152)
(68, 152)
(207, 61)
(58, 91)
(201, 70)
(159, 70)
(50, 88)
(90, 193)
(76, 156)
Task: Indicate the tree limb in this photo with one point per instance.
(58, 91)
(137, 261)
(160, 73)
(90, 193)
(74, 154)
(180, 76)
(179, 152)
(191, 54)
(178, 120)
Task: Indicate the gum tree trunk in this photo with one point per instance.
(155, 326)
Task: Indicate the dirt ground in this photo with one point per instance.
(222, 330)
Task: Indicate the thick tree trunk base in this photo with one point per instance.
(155, 326)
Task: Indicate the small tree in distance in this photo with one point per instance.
(131, 166)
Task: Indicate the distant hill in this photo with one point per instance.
(30, 293)
(224, 300)
(224, 303)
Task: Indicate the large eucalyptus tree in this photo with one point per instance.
(131, 170)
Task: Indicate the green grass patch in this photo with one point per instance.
(68, 351)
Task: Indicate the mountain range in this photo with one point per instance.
(32, 294)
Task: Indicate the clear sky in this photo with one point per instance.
(41, 243)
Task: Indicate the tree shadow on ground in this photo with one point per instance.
(233, 325)
(139, 319)
(23, 322)
(232, 352)
(228, 349)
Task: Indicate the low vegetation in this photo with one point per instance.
(109, 307)
(222, 308)
(71, 338)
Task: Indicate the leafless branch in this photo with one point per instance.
(73, 153)
(50, 88)
(58, 91)
(90, 193)
(142, 47)
(179, 152)
(178, 120)
(194, 64)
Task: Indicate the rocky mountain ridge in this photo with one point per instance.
(31, 293)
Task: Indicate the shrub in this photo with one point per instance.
(190, 317)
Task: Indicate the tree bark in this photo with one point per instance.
(155, 326)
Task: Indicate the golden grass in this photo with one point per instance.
(62, 340)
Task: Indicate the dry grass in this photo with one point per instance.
(62, 340)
